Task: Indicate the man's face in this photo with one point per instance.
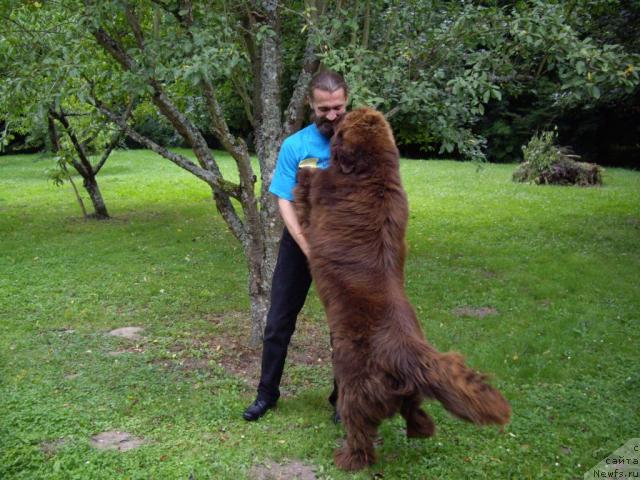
(328, 109)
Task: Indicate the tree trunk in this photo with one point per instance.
(99, 207)
(75, 190)
(83, 165)
(261, 256)
(54, 138)
(260, 299)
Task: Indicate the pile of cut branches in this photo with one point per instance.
(547, 164)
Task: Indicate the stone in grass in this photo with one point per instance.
(474, 312)
(132, 333)
(114, 440)
(284, 471)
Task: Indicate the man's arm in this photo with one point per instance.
(288, 213)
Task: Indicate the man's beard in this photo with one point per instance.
(326, 127)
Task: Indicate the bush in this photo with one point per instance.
(545, 163)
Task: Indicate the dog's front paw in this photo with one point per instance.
(352, 460)
(304, 176)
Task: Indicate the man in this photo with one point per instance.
(291, 279)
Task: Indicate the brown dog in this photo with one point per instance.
(354, 216)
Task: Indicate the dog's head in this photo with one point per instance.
(363, 142)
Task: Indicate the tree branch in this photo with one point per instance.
(366, 24)
(133, 22)
(185, 5)
(293, 116)
(219, 127)
(222, 189)
(55, 146)
(84, 166)
(246, 99)
(248, 34)
(270, 131)
(181, 161)
(180, 122)
(392, 112)
(356, 14)
(114, 48)
(116, 138)
(238, 150)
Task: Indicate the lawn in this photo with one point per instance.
(537, 286)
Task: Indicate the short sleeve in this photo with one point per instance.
(284, 178)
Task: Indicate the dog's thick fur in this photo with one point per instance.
(354, 216)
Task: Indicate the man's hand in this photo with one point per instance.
(288, 213)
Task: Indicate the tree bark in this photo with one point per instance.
(99, 207)
(262, 257)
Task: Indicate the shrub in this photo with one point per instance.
(546, 163)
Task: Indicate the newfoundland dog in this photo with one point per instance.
(354, 216)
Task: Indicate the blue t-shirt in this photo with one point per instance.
(307, 143)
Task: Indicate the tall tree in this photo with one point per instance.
(39, 96)
(76, 152)
(167, 51)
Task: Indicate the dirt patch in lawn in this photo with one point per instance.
(51, 447)
(131, 333)
(136, 349)
(115, 440)
(480, 312)
(284, 471)
(230, 348)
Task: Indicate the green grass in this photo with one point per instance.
(559, 265)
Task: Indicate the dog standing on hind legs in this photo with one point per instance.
(354, 216)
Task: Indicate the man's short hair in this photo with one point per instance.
(329, 81)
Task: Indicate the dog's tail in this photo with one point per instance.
(413, 364)
(462, 390)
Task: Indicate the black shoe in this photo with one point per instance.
(336, 417)
(257, 409)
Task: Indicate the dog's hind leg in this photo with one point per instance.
(419, 423)
(357, 451)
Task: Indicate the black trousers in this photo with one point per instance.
(289, 289)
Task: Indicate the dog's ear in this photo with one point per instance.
(345, 162)
(338, 156)
(351, 162)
